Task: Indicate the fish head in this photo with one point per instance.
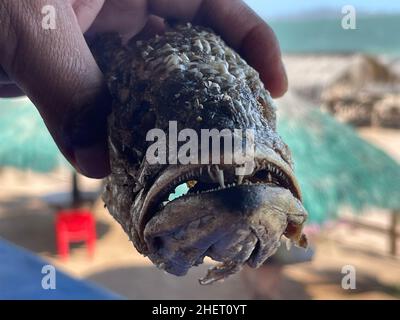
(190, 116)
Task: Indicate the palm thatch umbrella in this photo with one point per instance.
(335, 167)
(26, 144)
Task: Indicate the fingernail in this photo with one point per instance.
(279, 84)
(85, 133)
(93, 161)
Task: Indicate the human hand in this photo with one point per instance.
(56, 70)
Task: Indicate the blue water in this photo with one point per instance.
(374, 35)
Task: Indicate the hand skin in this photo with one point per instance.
(56, 70)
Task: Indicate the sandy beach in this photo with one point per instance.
(28, 222)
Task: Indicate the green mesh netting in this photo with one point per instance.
(335, 167)
(25, 142)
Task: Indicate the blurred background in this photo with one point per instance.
(341, 119)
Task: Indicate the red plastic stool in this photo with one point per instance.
(75, 225)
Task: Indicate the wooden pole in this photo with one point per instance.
(75, 190)
(393, 234)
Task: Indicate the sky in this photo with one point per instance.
(278, 8)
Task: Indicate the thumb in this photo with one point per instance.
(56, 70)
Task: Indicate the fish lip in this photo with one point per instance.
(173, 172)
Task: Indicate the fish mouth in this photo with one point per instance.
(216, 185)
(212, 178)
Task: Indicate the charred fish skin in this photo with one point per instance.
(189, 75)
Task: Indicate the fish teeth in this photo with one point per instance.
(161, 266)
(216, 174)
(220, 177)
(288, 244)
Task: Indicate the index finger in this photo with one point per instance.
(57, 71)
(240, 27)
